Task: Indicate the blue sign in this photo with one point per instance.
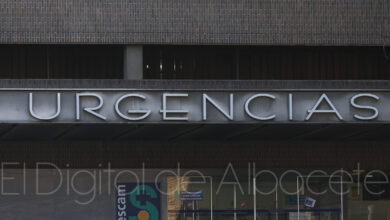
(191, 195)
(138, 201)
(310, 202)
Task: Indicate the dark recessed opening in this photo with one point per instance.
(266, 62)
(61, 62)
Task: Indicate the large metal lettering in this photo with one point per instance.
(145, 113)
(164, 111)
(90, 110)
(260, 118)
(315, 109)
(45, 118)
(228, 115)
(375, 110)
(116, 106)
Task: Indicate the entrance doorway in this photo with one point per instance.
(190, 198)
(298, 198)
(206, 200)
(319, 199)
(234, 202)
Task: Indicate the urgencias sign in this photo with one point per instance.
(136, 106)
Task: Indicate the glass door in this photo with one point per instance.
(225, 203)
(233, 202)
(265, 198)
(244, 202)
(319, 197)
(298, 198)
(190, 198)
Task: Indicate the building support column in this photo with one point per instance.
(133, 62)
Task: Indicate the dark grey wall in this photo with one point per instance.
(201, 154)
(265, 22)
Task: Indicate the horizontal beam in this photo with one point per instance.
(197, 84)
